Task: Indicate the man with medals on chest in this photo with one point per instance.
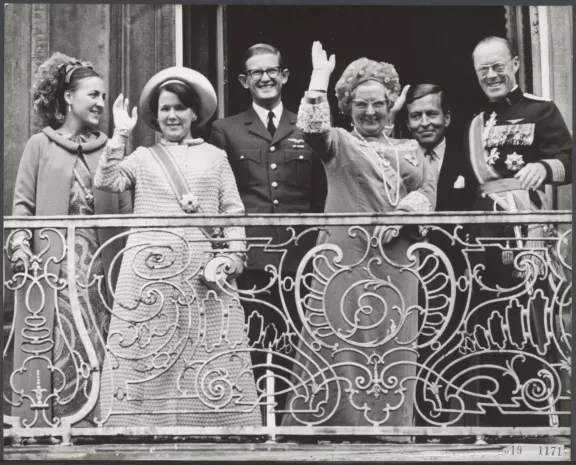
(517, 144)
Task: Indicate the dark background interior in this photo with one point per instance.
(425, 44)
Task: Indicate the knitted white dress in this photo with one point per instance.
(177, 353)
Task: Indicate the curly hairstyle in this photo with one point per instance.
(363, 70)
(51, 82)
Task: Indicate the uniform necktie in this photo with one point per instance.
(271, 128)
(430, 153)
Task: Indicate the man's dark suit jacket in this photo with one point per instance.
(451, 199)
(277, 174)
(448, 199)
(454, 165)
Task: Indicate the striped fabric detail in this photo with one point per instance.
(557, 169)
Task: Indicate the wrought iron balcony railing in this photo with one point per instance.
(425, 335)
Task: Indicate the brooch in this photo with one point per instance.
(514, 162)
(410, 159)
(189, 203)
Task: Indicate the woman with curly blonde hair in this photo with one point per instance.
(53, 363)
(356, 360)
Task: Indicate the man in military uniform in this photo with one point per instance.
(276, 172)
(516, 145)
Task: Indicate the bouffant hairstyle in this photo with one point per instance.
(363, 70)
(55, 76)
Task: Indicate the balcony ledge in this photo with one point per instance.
(361, 452)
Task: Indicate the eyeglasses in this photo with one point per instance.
(498, 67)
(272, 73)
(362, 105)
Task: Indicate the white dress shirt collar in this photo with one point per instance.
(439, 151)
(263, 113)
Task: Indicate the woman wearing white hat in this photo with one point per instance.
(177, 353)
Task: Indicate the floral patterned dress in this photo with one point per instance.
(69, 353)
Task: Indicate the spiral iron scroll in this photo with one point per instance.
(454, 344)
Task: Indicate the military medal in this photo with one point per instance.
(514, 161)
(488, 127)
(494, 154)
(510, 134)
(297, 143)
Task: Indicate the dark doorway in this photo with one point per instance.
(426, 44)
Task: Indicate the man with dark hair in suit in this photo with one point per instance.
(427, 117)
(276, 172)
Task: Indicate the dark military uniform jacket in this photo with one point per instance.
(515, 131)
(277, 174)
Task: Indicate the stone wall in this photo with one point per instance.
(126, 43)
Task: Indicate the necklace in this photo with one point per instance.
(378, 149)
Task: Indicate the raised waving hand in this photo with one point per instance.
(322, 68)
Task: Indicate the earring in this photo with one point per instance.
(69, 107)
(194, 117)
(59, 116)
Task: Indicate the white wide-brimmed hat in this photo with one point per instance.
(198, 82)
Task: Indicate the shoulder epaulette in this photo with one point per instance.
(535, 97)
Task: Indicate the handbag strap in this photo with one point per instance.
(180, 187)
